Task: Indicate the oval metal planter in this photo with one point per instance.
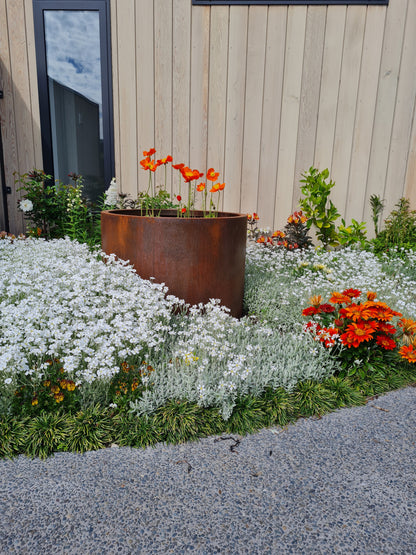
(197, 258)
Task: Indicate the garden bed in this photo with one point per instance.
(91, 354)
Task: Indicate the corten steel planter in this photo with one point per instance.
(197, 258)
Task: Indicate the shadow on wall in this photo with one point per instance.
(21, 139)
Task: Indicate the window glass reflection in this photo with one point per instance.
(75, 96)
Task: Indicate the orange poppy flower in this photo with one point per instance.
(183, 210)
(148, 164)
(190, 175)
(215, 188)
(178, 166)
(164, 160)
(339, 298)
(356, 333)
(150, 153)
(408, 352)
(200, 187)
(221, 186)
(249, 216)
(212, 175)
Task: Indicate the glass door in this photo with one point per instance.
(74, 75)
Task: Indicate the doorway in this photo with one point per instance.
(75, 95)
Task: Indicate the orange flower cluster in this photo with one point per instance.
(362, 323)
(296, 218)
(188, 175)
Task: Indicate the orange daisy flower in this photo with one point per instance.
(386, 342)
(315, 300)
(339, 298)
(371, 295)
(408, 352)
(352, 293)
(356, 333)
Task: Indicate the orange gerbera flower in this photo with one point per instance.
(408, 352)
(408, 325)
(315, 300)
(386, 342)
(356, 333)
(371, 295)
(200, 187)
(385, 328)
(352, 293)
(339, 298)
(212, 175)
(380, 311)
(311, 311)
(355, 312)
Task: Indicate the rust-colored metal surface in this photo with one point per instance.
(197, 258)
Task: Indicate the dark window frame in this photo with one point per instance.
(291, 2)
(103, 8)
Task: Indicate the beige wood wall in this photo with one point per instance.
(261, 93)
(19, 109)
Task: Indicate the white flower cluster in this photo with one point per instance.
(111, 194)
(57, 299)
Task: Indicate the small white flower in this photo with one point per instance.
(26, 205)
(8, 381)
(111, 195)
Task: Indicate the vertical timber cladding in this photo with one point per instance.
(262, 92)
(19, 111)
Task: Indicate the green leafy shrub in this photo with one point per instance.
(399, 229)
(317, 207)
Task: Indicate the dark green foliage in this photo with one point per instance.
(137, 431)
(46, 434)
(399, 229)
(89, 430)
(179, 421)
(278, 406)
(12, 436)
(313, 398)
(345, 393)
(247, 417)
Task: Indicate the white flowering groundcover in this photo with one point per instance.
(93, 313)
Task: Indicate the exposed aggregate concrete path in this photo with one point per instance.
(345, 483)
